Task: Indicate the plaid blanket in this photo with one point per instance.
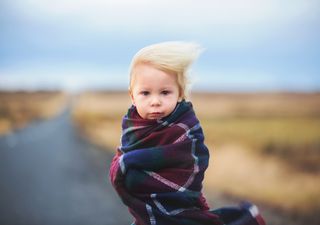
(159, 168)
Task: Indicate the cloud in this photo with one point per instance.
(230, 24)
(167, 15)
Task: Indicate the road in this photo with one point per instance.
(50, 176)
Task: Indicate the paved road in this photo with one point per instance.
(50, 176)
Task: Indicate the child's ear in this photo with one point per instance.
(180, 98)
(132, 98)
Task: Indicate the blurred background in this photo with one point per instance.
(250, 45)
(255, 88)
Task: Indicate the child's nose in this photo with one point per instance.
(155, 101)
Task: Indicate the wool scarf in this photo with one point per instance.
(159, 168)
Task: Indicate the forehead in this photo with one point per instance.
(147, 74)
(143, 66)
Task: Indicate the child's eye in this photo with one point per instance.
(145, 93)
(165, 92)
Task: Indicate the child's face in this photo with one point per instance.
(155, 93)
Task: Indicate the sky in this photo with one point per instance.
(250, 45)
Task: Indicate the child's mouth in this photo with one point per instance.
(156, 115)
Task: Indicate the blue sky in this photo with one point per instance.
(267, 45)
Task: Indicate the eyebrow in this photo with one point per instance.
(161, 88)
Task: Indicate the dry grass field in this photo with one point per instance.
(264, 147)
(17, 109)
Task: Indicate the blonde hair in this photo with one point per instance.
(173, 57)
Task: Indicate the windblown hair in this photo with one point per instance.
(172, 57)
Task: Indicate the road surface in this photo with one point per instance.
(50, 176)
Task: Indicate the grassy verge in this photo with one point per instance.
(98, 117)
(17, 109)
(296, 141)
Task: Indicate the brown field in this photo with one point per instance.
(264, 147)
(17, 109)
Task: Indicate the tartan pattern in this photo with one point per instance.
(159, 168)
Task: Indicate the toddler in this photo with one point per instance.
(159, 168)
